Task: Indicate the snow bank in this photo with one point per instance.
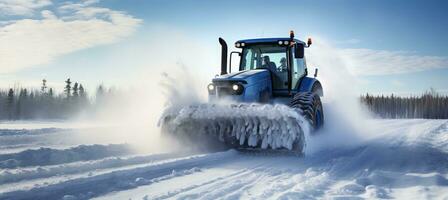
(273, 126)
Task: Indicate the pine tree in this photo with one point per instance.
(50, 92)
(75, 90)
(83, 96)
(83, 101)
(10, 104)
(100, 93)
(68, 88)
(52, 104)
(100, 97)
(44, 86)
(22, 104)
(82, 92)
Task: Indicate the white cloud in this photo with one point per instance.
(22, 7)
(29, 42)
(78, 5)
(381, 62)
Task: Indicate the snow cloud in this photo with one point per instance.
(381, 62)
(61, 29)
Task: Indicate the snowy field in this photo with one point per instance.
(407, 160)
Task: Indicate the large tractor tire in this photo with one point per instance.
(311, 106)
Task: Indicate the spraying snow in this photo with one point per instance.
(347, 121)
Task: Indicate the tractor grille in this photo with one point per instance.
(224, 91)
(223, 88)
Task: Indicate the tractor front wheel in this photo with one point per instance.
(311, 107)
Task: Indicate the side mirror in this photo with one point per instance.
(299, 50)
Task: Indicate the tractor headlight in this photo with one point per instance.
(243, 44)
(211, 87)
(237, 88)
(286, 42)
(237, 45)
(280, 42)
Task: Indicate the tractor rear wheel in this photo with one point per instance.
(311, 106)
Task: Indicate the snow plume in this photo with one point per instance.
(130, 115)
(135, 117)
(181, 89)
(345, 116)
(161, 78)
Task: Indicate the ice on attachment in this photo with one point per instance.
(253, 125)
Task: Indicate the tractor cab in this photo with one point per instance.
(283, 58)
(268, 68)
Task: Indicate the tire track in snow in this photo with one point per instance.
(274, 183)
(309, 185)
(193, 187)
(213, 183)
(208, 183)
(16, 175)
(48, 156)
(241, 186)
(244, 189)
(117, 180)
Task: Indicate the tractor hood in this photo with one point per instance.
(246, 77)
(254, 83)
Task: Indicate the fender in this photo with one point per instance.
(308, 84)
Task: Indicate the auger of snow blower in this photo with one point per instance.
(274, 102)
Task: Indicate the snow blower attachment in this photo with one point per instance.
(242, 125)
(274, 103)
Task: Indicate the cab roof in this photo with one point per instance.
(267, 40)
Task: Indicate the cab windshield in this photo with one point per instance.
(272, 57)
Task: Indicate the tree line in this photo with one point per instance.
(430, 105)
(44, 103)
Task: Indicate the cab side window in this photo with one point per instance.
(298, 70)
(299, 67)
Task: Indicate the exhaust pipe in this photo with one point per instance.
(223, 56)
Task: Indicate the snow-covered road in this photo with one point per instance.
(407, 160)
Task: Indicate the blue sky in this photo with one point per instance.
(392, 46)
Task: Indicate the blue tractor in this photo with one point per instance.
(272, 71)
